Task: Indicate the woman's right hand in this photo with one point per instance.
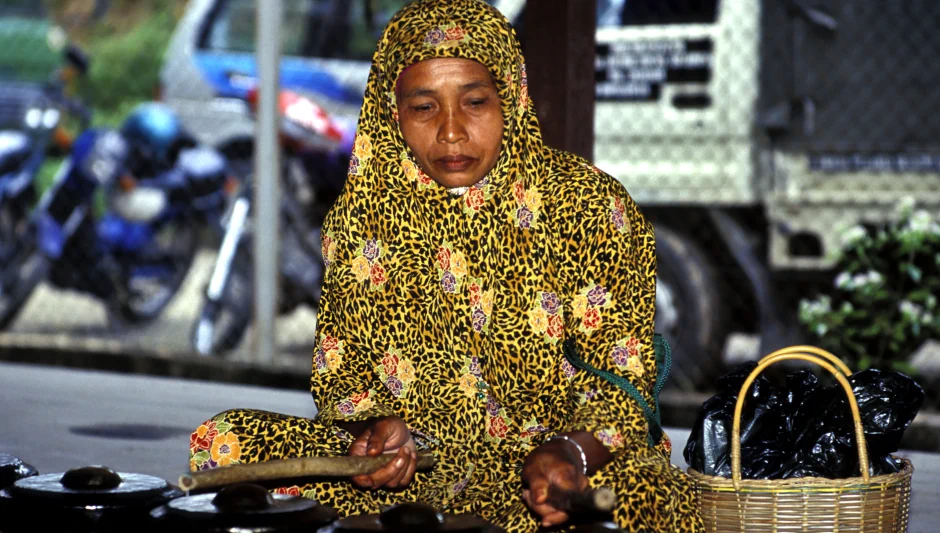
(386, 435)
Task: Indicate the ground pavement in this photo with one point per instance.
(57, 419)
(54, 317)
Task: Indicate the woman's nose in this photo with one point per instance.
(452, 128)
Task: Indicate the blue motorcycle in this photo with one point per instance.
(159, 186)
(22, 152)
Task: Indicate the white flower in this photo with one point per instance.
(904, 207)
(821, 329)
(812, 309)
(927, 318)
(931, 301)
(919, 222)
(868, 279)
(910, 310)
(847, 307)
(844, 281)
(853, 236)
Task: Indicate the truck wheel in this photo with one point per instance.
(689, 310)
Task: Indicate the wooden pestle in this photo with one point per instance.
(343, 466)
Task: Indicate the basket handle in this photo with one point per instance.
(815, 351)
(814, 355)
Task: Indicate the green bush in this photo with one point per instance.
(883, 302)
(125, 68)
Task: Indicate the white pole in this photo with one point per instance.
(266, 181)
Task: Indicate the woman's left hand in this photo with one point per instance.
(552, 468)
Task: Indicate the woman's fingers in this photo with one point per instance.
(377, 443)
(363, 482)
(554, 519)
(358, 447)
(398, 480)
(539, 495)
(382, 476)
(408, 472)
(412, 467)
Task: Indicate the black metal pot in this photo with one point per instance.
(244, 508)
(413, 517)
(13, 469)
(88, 499)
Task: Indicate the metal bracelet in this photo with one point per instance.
(576, 445)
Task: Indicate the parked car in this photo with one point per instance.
(209, 66)
(27, 59)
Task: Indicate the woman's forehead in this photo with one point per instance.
(443, 72)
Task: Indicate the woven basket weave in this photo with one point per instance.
(865, 503)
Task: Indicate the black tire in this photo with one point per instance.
(221, 325)
(690, 311)
(129, 307)
(19, 281)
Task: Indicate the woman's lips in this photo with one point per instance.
(458, 163)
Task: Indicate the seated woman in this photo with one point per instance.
(461, 257)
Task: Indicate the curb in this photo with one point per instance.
(679, 409)
(115, 356)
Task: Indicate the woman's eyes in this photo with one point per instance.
(474, 103)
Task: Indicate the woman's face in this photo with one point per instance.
(450, 116)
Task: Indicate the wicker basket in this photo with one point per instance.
(865, 503)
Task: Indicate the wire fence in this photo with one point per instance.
(788, 153)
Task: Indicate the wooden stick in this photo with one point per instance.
(599, 500)
(345, 466)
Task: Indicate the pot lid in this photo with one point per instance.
(13, 469)
(93, 485)
(246, 505)
(407, 517)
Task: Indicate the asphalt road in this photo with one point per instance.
(57, 419)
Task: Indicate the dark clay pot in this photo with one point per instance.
(413, 517)
(243, 508)
(13, 469)
(87, 499)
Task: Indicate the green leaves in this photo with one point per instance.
(915, 273)
(882, 303)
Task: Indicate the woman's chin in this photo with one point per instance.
(453, 180)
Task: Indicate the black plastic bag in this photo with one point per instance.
(709, 447)
(803, 429)
(887, 403)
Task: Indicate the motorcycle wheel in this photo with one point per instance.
(221, 325)
(7, 234)
(142, 299)
(18, 283)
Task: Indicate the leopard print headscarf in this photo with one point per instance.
(449, 311)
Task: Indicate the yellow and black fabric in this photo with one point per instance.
(450, 308)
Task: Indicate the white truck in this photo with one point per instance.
(753, 132)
